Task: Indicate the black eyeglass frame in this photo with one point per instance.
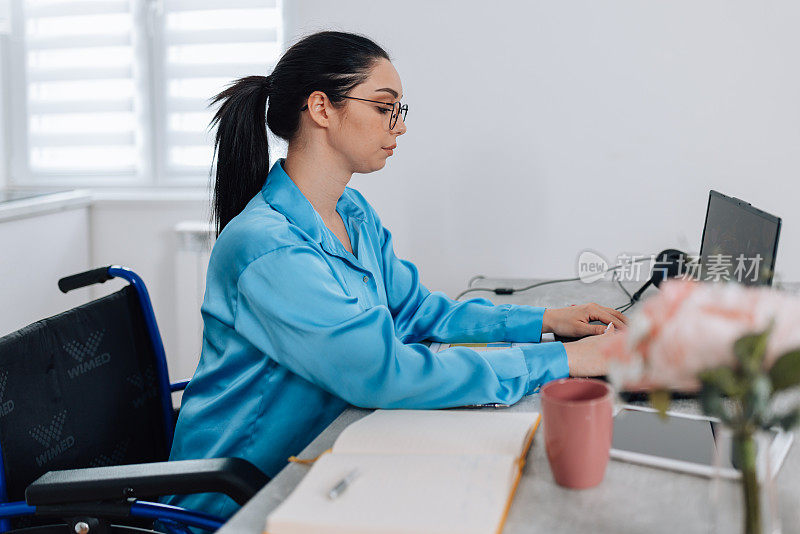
(400, 108)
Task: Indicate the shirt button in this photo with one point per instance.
(365, 279)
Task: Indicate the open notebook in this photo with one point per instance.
(418, 471)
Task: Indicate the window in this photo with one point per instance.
(115, 92)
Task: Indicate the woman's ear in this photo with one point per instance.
(319, 108)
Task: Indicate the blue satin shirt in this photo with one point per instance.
(296, 328)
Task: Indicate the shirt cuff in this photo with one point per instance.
(546, 362)
(524, 324)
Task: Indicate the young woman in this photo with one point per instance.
(307, 309)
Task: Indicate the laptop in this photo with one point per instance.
(739, 242)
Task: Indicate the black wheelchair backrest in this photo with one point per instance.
(79, 389)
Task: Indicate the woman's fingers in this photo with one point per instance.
(574, 321)
(619, 315)
(599, 329)
(608, 318)
(608, 315)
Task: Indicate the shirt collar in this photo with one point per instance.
(282, 194)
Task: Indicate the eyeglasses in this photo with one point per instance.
(397, 108)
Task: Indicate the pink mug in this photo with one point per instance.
(578, 426)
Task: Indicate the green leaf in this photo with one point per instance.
(724, 379)
(712, 402)
(660, 399)
(785, 372)
(756, 401)
(751, 348)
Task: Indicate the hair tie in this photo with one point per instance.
(268, 82)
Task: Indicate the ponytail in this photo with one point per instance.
(240, 146)
(331, 62)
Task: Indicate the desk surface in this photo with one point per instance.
(631, 499)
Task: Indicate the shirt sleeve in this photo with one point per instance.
(291, 307)
(420, 314)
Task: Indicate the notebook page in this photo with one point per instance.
(422, 494)
(437, 432)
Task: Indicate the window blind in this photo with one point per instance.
(122, 87)
(208, 44)
(81, 99)
(5, 17)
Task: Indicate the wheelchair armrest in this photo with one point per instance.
(235, 477)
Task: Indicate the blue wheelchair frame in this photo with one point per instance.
(165, 513)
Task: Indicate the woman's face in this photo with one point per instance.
(360, 132)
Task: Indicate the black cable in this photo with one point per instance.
(628, 305)
(512, 290)
(619, 282)
(474, 279)
(624, 307)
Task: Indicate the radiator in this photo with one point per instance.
(194, 241)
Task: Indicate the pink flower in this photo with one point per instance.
(692, 326)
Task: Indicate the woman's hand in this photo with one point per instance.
(585, 357)
(573, 321)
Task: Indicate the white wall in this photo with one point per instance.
(539, 129)
(4, 163)
(37, 251)
(139, 233)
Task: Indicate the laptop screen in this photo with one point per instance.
(739, 242)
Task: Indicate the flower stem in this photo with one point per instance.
(746, 452)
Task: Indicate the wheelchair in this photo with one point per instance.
(86, 423)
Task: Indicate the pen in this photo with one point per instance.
(609, 325)
(343, 484)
